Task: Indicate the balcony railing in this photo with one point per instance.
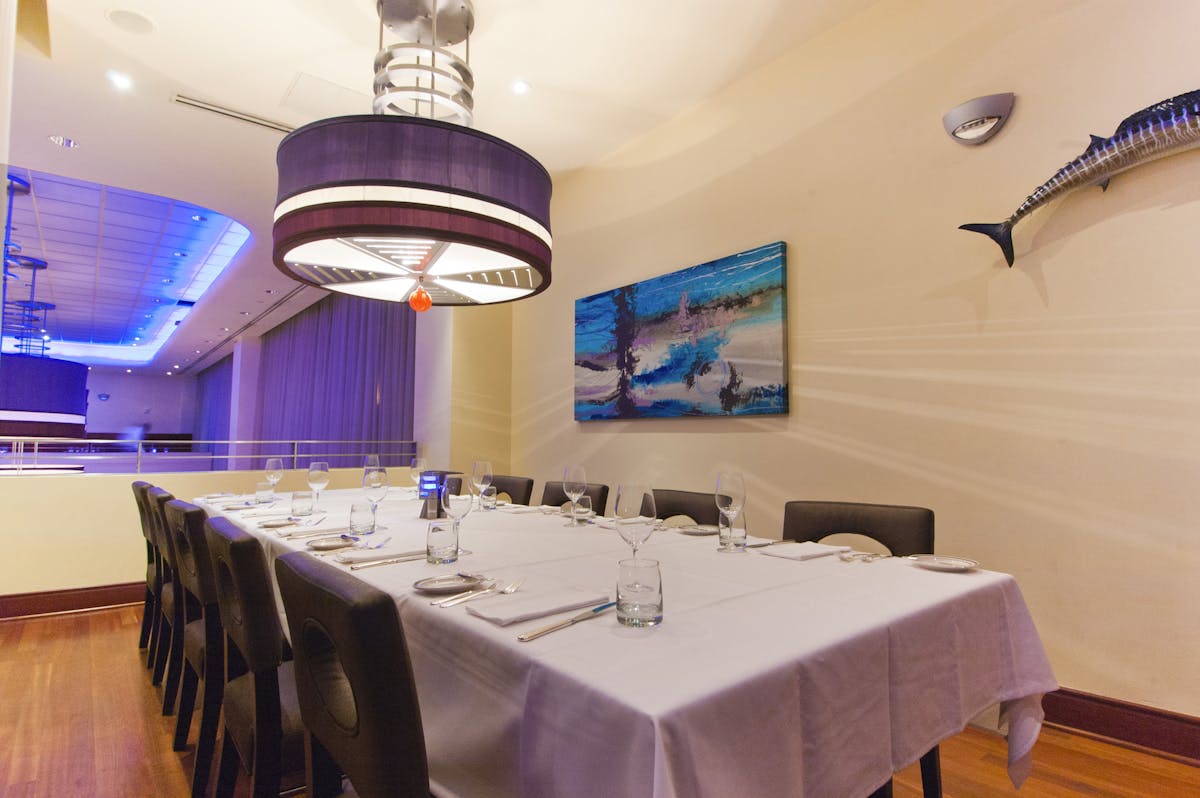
(75, 455)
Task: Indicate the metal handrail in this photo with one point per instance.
(22, 449)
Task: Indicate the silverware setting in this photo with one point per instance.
(554, 627)
(408, 558)
(862, 556)
(492, 589)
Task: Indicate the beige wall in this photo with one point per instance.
(1049, 413)
(481, 392)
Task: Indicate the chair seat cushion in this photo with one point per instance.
(194, 644)
(239, 718)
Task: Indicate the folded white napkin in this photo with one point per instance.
(371, 555)
(520, 509)
(299, 530)
(534, 601)
(807, 550)
(280, 513)
(607, 523)
(760, 542)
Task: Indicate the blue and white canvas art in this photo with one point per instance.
(709, 340)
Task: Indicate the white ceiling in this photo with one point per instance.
(601, 74)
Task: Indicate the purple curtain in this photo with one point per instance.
(214, 388)
(342, 370)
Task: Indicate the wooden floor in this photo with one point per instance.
(78, 717)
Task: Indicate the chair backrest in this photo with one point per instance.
(553, 495)
(700, 507)
(244, 596)
(140, 488)
(156, 507)
(193, 565)
(354, 680)
(903, 530)
(453, 486)
(519, 489)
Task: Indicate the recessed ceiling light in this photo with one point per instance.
(128, 371)
(245, 313)
(137, 337)
(64, 142)
(197, 351)
(168, 374)
(119, 80)
(521, 87)
(176, 365)
(130, 21)
(224, 329)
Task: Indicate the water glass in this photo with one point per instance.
(441, 542)
(264, 492)
(582, 509)
(362, 518)
(639, 593)
(487, 498)
(732, 534)
(302, 503)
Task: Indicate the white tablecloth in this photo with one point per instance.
(768, 677)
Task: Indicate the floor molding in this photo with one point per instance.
(72, 599)
(1145, 727)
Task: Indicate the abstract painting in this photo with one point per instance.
(709, 340)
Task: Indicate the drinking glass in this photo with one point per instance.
(635, 513)
(582, 509)
(487, 498)
(441, 542)
(639, 593)
(375, 487)
(318, 478)
(731, 534)
(274, 470)
(264, 493)
(371, 461)
(302, 503)
(456, 506)
(362, 518)
(481, 476)
(574, 485)
(730, 498)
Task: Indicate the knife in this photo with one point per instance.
(554, 627)
(403, 558)
(461, 597)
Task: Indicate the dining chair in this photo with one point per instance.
(153, 576)
(903, 530)
(203, 637)
(554, 496)
(519, 489)
(354, 681)
(453, 486)
(700, 507)
(263, 730)
(168, 653)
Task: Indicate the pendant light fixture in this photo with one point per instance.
(409, 203)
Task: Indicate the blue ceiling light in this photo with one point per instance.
(120, 262)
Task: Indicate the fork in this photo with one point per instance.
(512, 587)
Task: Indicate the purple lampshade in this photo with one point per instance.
(375, 205)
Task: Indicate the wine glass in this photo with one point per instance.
(635, 513)
(414, 471)
(730, 496)
(481, 476)
(375, 487)
(574, 485)
(318, 478)
(274, 470)
(456, 506)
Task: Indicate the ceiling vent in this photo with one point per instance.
(232, 113)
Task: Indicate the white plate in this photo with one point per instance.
(447, 583)
(940, 562)
(698, 529)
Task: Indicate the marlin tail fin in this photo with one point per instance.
(1000, 232)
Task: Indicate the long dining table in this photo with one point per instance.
(767, 677)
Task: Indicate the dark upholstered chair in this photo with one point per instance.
(150, 605)
(262, 719)
(203, 637)
(454, 486)
(519, 489)
(553, 495)
(168, 653)
(700, 507)
(354, 681)
(904, 531)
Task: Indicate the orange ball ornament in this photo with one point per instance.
(420, 300)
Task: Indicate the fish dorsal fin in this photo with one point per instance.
(1096, 143)
(1188, 101)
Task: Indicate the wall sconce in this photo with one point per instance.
(976, 121)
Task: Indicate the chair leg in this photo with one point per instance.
(322, 774)
(155, 635)
(187, 704)
(883, 792)
(931, 774)
(162, 645)
(228, 769)
(147, 619)
(174, 668)
(210, 716)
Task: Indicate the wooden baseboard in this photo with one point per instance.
(1134, 724)
(79, 598)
